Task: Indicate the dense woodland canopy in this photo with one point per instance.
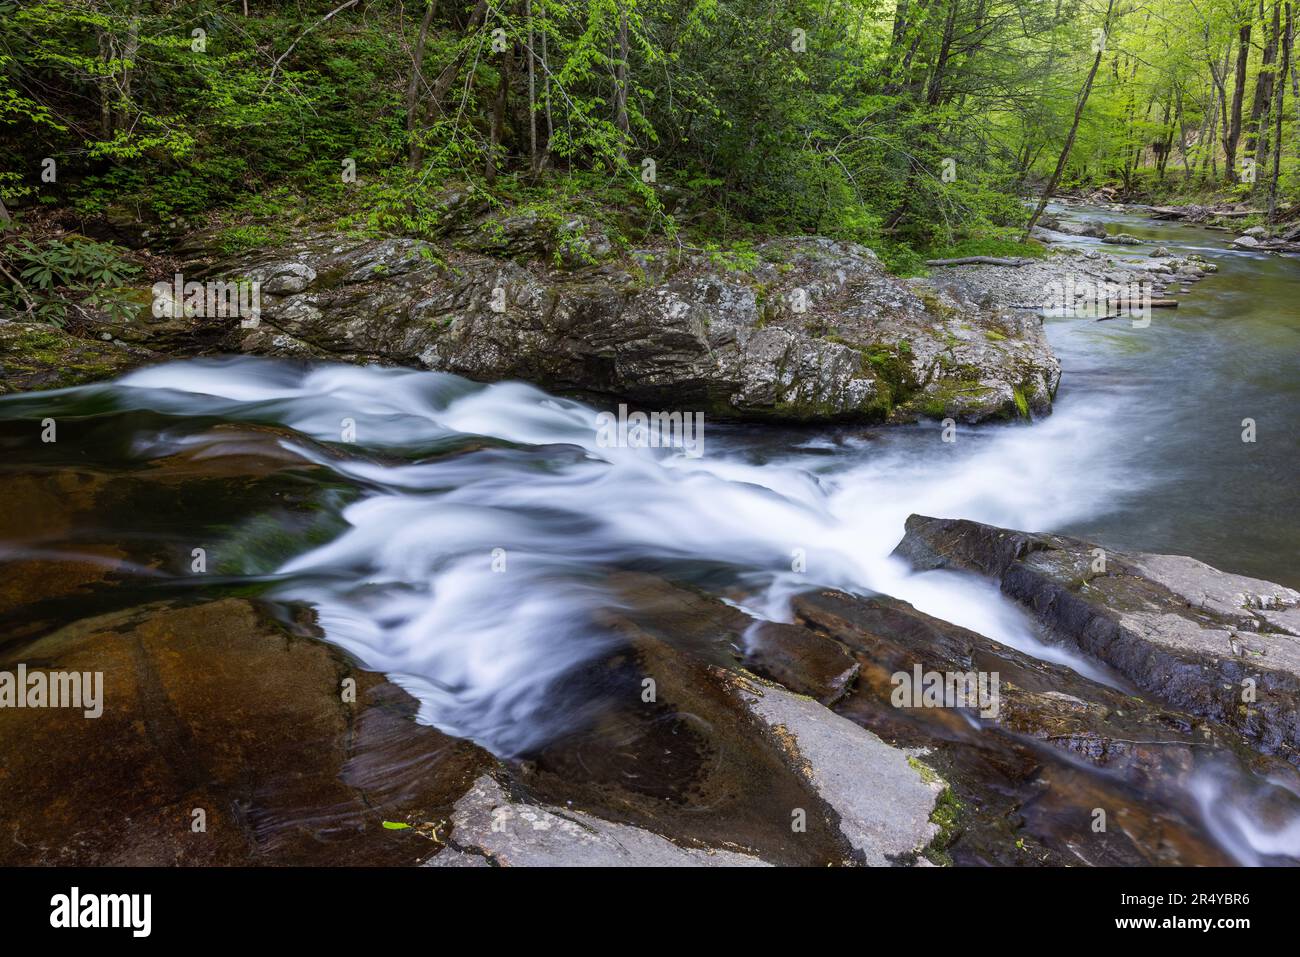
(907, 125)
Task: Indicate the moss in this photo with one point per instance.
(35, 357)
(994, 336)
(933, 407)
(945, 397)
(934, 306)
(927, 773)
(947, 817)
(1022, 404)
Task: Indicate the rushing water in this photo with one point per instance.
(474, 579)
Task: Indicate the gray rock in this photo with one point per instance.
(1122, 239)
(489, 828)
(883, 802)
(285, 279)
(1211, 643)
(1087, 227)
(1246, 242)
(814, 330)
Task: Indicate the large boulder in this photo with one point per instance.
(809, 329)
(1094, 229)
(1210, 643)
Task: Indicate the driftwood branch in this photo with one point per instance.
(981, 260)
(276, 65)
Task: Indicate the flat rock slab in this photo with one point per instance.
(214, 707)
(488, 828)
(884, 804)
(1208, 642)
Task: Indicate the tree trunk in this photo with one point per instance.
(499, 117)
(1232, 131)
(1263, 98)
(417, 75)
(1074, 130)
(129, 51)
(1287, 40)
(433, 103)
(934, 93)
(546, 93)
(532, 91)
(620, 81)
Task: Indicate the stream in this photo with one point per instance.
(458, 536)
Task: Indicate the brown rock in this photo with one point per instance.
(213, 707)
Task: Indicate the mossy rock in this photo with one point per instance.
(34, 356)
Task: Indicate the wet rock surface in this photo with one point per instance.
(806, 664)
(812, 330)
(214, 708)
(1026, 783)
(1216, 645)
(884, 804)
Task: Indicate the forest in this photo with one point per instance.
(912, 127)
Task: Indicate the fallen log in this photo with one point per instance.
(979, 260)
(1140, 304)
(1108, 303)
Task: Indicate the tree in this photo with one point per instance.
(1099, 45)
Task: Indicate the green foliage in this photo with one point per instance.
(910, 127)
(46, 280)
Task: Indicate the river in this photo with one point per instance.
(459, 534)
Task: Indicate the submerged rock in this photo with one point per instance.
(1208, 642)
(807, 664)
(224, 739)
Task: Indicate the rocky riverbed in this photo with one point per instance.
(694, 731)
(469, 635)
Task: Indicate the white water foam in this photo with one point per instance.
(410, 587)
